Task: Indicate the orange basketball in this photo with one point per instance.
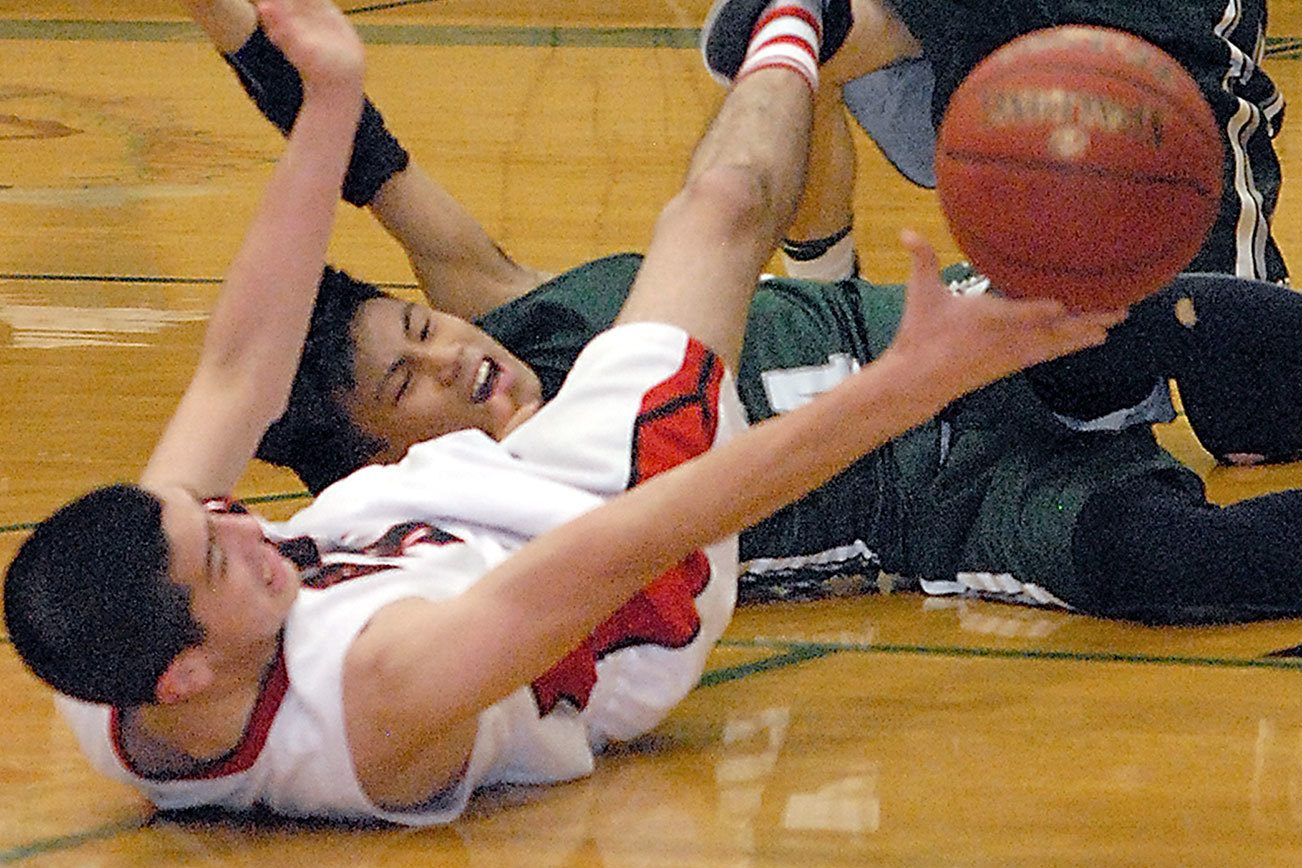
(1079, 163)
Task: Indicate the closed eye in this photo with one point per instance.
(403, 386)
(409, 322)
(216, 557)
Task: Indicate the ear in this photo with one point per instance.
(188, 675)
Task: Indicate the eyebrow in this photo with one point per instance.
(213, 551)
(401, 361)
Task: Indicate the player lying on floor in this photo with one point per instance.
(996, 495)
(482, 611)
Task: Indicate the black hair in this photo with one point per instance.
(89, 605)
(315, 437)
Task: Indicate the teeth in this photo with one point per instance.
(484, 378)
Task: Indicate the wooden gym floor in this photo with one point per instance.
(879, 730)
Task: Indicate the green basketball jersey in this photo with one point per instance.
(802, 338)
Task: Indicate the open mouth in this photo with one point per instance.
(485, 379)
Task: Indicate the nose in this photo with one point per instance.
(242, 529)
(441, 360)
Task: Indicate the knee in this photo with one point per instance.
(725, 203)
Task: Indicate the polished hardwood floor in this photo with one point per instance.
(873, 730)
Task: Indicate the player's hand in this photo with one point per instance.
(970, 341)
(316, 37)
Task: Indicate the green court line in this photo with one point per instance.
(255, 499)
(1277, 47)
(799, 654)
(105, 278)
(67, 842)
(372, 34)
(392, 4)
(37, 277)
(1022, 654)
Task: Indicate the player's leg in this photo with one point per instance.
(694, 287)
(1240, 372)
(1107, 524)
(745, 177)
(1230, 345)
(1159, 554)
(819, 244)
(1222, 45)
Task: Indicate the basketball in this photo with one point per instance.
(1079, 163)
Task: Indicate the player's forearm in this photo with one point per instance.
(256, 331)
(461, 270)
(262, 313)
(564, 583)
(227, 23)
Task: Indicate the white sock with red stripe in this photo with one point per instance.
(788, 34)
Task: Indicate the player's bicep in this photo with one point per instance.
(209, 439)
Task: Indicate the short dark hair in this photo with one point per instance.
(89, 605)
(315, 437)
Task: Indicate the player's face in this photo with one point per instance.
(241, 587)
(421, 373)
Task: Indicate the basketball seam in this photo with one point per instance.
(1020, 162)
(1012, 259)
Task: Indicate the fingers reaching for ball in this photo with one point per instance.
(970, 341)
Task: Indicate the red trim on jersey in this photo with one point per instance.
(245, 753)
(678, 421)
(395, 542)
(678, 418)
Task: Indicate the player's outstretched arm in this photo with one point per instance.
(256, 331)
(536, 606)
(460, 268)
(946, 347)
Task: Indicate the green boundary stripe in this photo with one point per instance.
(1284, 47)
(1277, 47)
(255, 499)
(67, 842)
(34, 277)
(103, 31)
(372, 34)
(1020, 654)
(798, 654)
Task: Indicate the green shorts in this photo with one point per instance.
(1008, 488)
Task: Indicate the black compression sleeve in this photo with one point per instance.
(274, 85)
(1233, 346)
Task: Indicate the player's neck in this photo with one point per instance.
(174, 738)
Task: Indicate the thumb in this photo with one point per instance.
(924, 263)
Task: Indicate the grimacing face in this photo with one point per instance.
(420, 374)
